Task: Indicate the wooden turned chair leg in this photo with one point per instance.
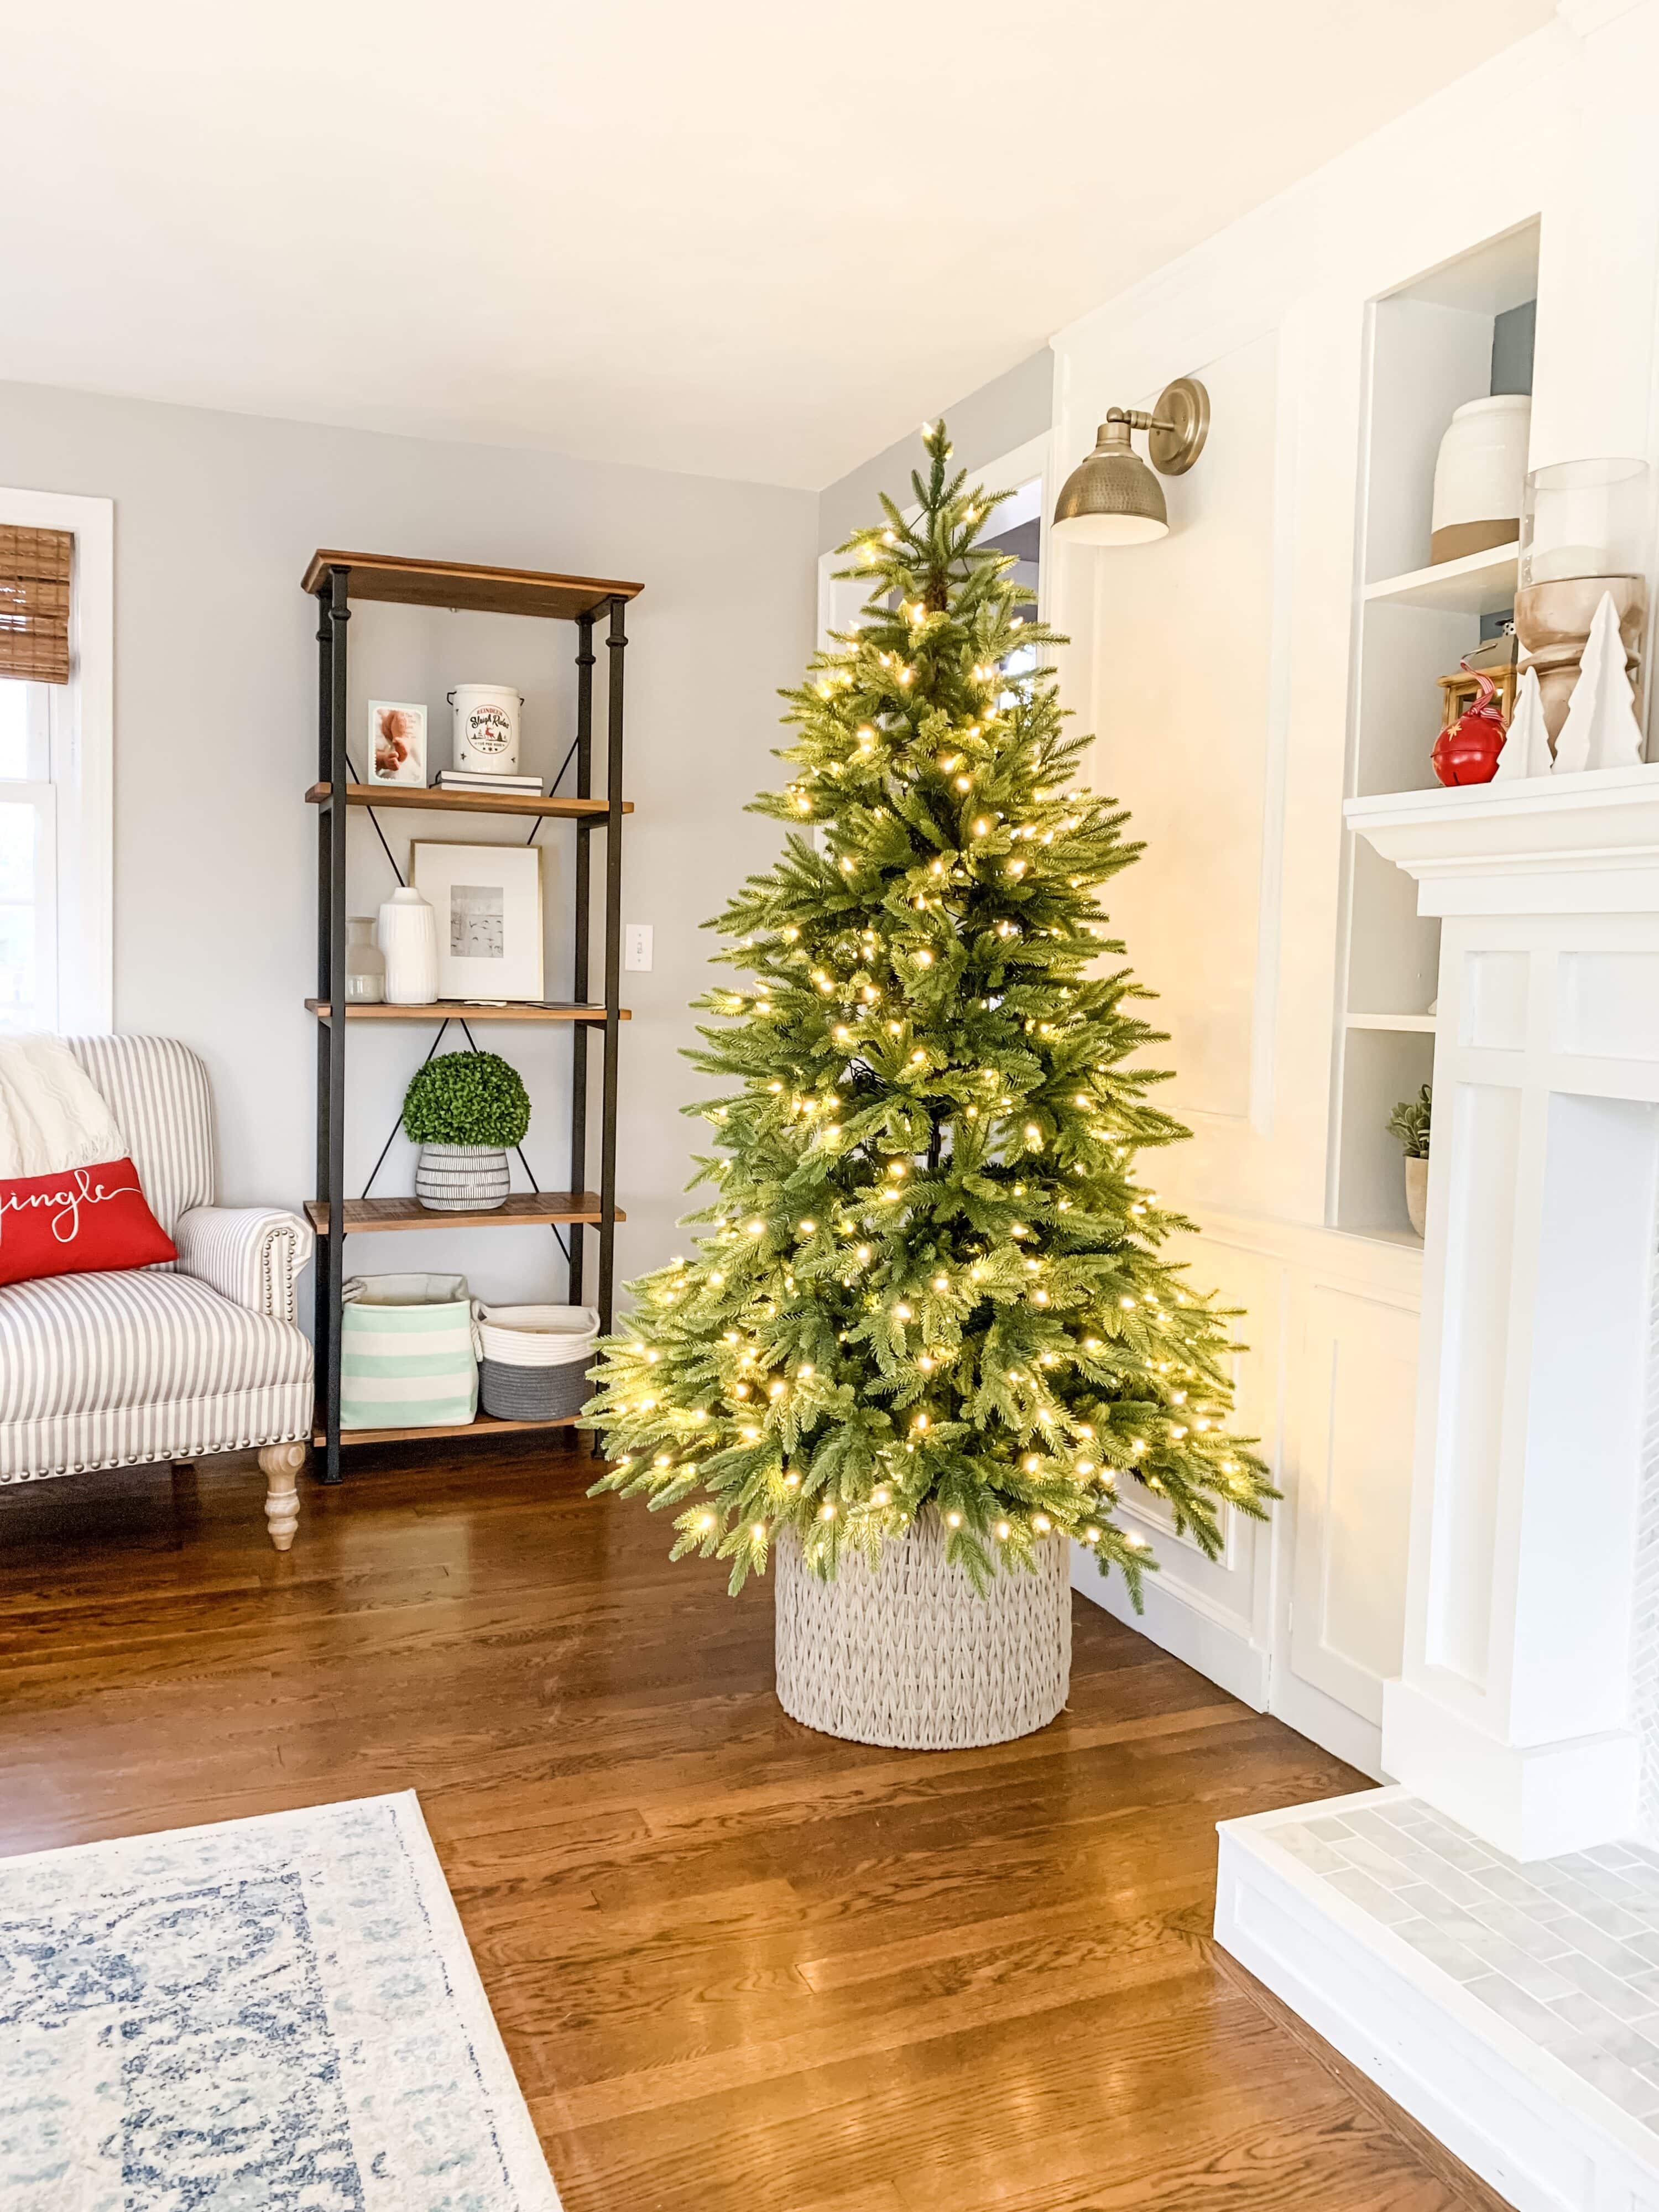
(281, 1464)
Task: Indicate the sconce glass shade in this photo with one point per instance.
(1112, 498)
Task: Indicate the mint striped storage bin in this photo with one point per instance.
(407, 1359)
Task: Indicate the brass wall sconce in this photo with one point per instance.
(1112, 497)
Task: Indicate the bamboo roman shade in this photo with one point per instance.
(34, 604)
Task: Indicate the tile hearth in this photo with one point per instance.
(1566, 1950)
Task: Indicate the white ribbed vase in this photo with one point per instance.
(407, 933)
(910, 1657)
(461, 1178)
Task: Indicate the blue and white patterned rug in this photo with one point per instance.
(279, 2014)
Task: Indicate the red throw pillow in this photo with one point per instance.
(81, 1221)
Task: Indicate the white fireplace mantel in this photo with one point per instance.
(1541, 844)
(1479, 1937)
(1513, 1710)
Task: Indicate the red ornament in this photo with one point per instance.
(1467, 751)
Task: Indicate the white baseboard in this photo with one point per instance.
(1542, 2138)
(1180, 1622)
(1336, 1728)
(1528, 1801)
(1219, 1646)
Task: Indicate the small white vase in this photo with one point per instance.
(1480, 476)
(1417, 1193)
(407, 934)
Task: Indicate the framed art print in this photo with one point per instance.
(487, 901)
(396, 742)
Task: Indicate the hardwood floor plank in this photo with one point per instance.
(733, 1962)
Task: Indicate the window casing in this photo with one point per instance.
(56, 742)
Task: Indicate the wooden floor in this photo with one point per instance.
(737, 1965)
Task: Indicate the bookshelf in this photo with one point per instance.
(336, 581)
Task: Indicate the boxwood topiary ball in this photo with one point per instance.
(467, 1098)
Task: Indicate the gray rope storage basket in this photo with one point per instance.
(533, 1360)
(909, 1656)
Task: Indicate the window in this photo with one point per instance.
(28, 859)
(55, 745)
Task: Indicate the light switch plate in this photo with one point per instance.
(636, 944)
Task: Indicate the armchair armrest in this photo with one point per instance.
(250, 1254)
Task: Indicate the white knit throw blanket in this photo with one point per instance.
(51, 1117)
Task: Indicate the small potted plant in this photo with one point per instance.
(1409, 1122)
(464, 1109)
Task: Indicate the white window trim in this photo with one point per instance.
(85, 781)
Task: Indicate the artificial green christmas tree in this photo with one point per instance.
(929, 1274)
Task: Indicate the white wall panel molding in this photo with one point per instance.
(1326, 1384)
(1392, 1271)
(1213, 1640)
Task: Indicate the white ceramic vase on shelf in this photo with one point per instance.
(461, 1178)
(408, 932)
(1480, 476)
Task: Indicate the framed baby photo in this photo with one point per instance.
(396, 742)
(487, 901)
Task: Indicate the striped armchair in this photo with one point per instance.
(165, 1362)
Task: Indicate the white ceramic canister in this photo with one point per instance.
(486, 727)
(407, 934)
(1480, 476)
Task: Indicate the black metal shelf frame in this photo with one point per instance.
(333, 593)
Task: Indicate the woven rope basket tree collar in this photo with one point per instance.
(909, 1655)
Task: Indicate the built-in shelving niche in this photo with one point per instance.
(1459, 333)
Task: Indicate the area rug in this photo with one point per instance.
(278, 2015)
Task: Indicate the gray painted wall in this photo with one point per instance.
(216, 516)
(1001, 415)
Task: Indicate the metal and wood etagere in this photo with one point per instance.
(337, 580)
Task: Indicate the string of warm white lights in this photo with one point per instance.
(928, 1277)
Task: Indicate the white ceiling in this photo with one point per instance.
(753, 238)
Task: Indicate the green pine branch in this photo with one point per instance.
(929, 1276)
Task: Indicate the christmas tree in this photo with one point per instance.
(929, 1273)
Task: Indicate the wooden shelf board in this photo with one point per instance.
(1418, 1023)
(465, 802)
(461, 1009)
(484, 1425)
(461, 586)
(521, 1207)
(1478, 583)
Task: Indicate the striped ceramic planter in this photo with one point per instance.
(461, 1178)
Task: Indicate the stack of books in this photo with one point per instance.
(477, 780)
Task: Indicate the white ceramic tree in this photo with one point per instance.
(1601, 729)
(1526, 748)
